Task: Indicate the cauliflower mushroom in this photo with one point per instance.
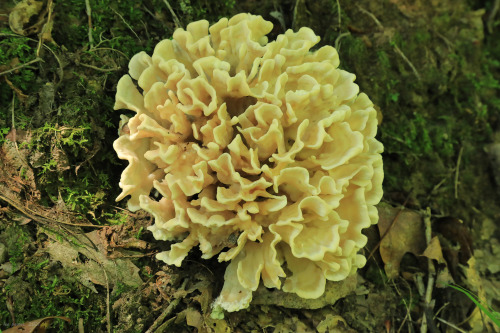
(262, 154)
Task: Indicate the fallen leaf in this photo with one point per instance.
(193, 318)
(35, 326)
(31, 17)
(332, 323)
(433, 251)
(406, 234)
(15, 172)
(217, 325)
(98, 269)
(22, 97)
(475, 283)
(205, 287)
(25, 12)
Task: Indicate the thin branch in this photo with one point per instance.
(128, 25)
(110, 49)
(170, 308)
(21, 66)
(373, 17)
(89, 15)
(427, 322)
(457, 171)
(396, 48)
(398, 51)
(108, 307)
(61, 70)
(451, 325)
(45, 27)
(176, 19)
(13, 118)
(114, 69)
(40, 218)
(491, 18)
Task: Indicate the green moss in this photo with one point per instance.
(38, 292)
(16, 51)
(422, 36)
(49, 296)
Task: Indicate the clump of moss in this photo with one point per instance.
(428, 109)
(36, 290)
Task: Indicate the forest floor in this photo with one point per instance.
(68, 250)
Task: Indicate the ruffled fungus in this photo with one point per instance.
(262, 153)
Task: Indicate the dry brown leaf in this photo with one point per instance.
(433, 251)
(98, 269)
(22, 97)
(15, 172)
(405, 235)
(35, 326)
(476, 284)
(333, 323)
(193, 317)
(25, 12)
(216, 325)
(116, 243)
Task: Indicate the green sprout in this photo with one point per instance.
(493, 315)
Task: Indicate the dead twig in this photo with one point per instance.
(113, 69)
(128, 25)
(457, 170)
(451, 325)
(108, 306)
(438, 185)
(396, 48)
(60, 71)
(45, 27)
(398, 51)
(37, 59)
(373, 17)
(441, 309)
(170, 308)
(491, 18)
(427, 322)
(406, 304)
(40, 218)
(88, 10)
(176, 19)
(110, 49)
